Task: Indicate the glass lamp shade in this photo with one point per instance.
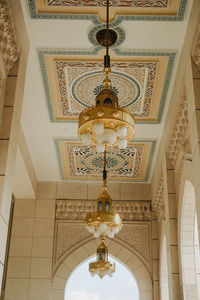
(122, 143)
(98, 128)
(86, 138)
(122, 131)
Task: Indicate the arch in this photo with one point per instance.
(124, 255)
(164, 284)
(187, 242)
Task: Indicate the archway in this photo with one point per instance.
(81, 285)
(164, 285)
(188, 248)
(124, 255)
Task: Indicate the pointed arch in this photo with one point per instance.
(127, 257)
(187, 243)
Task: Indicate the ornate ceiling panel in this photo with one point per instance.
(123, 9)
(72, 81)
(83, 163)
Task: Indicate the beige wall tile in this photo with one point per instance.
(133, 263)
(124, 255)
(135, 191)
(3, 155)
(145, 284)
(11, 161)
(146, 295)
(6, 201)
(172, 205)
(3, 239)
(1, 273)
(21, 246)
(95, 188)
(25, 208)
(81, 254)
(173, 231)
(42, 286)
(10, 91)
(114, 248)
(18, 267)
(58, 283)
(16, 289)
(42, 247)
(63, 271)
(71, 261)
(170, 181)
(141, 273)
(41, 268)
(71, 190)
(45, 208)
(22, 227)
(57, 294)
(155, 269)
(90, 248)
(44, 227)
(46, 190)
(6, 122)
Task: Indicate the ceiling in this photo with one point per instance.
(64, 74)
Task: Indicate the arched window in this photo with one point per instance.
(189, 245)
(164, 272)
(82, 286)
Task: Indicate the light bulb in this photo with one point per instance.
(96, 234)
(86, 138)
(100, 148)
(103, 227)
(115, 229)
(111, 235)
(90, 229)
(98, 128)
(122, 143)
(109, 136)
(122, 131)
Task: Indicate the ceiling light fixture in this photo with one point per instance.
(102, 266)
(104, 221)
(106, 123)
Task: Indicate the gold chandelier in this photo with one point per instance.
(106, 123)
(104, 221)
(102, 266)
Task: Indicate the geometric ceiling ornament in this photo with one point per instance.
(78, 162)
(140, 81)
(165, 10)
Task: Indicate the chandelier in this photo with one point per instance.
(106, 123)
(102, 266)
(103, 222)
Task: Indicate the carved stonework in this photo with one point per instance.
(75, 210)
(9, 48)
(70, 236)
(196, 49)
(158, 198)
(179, 141)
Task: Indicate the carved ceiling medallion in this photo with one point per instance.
(80, 162)
(71, 85)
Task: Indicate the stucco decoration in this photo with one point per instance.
(140, 79)
(80, 162)
(75, 210)
(158, 197)
(9, 48)
(70, 232)
(119, 9)
(69, 236)
(179, 138)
